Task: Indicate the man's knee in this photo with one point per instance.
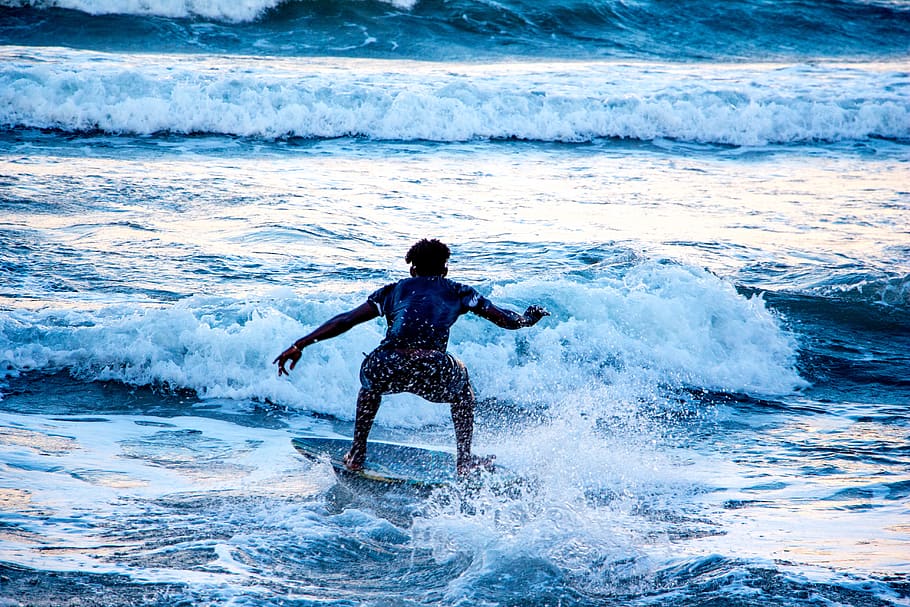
(466, 397)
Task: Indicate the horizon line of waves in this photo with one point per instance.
(752, 106)
(225, 11)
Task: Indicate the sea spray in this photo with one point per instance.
(657, 325)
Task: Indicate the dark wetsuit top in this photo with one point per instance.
(421, 310)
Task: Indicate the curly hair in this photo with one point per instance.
(428, 257)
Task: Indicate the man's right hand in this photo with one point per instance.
(291, 354)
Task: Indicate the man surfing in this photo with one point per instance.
(419, 311)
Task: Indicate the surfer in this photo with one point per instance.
(412, 357)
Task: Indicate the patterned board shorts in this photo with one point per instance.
(436, 376)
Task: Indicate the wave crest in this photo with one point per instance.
(727, 105)
(659, 325)
(226, 10)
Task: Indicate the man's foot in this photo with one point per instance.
(351, 463)
(475, 464)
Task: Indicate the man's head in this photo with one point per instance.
(428, 258)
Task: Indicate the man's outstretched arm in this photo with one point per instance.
(333, 327)
(508, 319)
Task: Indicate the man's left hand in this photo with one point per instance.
(534, 313)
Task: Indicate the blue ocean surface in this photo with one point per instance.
(440, 30)
(711, 198)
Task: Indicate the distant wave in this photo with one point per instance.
(463, 29)
(730, 105)
(228, 10)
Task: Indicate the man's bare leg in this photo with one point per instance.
(367, 406)
(463, 420)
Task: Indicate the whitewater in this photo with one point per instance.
(739, 105)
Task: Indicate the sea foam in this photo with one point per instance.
(732, 105)
(658, 325)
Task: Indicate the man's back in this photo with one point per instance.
(421, 310)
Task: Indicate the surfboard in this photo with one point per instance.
(388, 463)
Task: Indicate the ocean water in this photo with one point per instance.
(711, 198)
